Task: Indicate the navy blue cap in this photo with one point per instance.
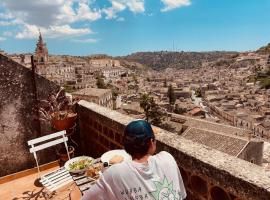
(139, 130)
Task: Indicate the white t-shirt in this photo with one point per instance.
(159, 179)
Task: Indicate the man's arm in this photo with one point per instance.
(95, 192)
(102, 189)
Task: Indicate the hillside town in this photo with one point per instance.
(226, 93)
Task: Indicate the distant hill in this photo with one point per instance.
(163, 59)
(264, 50)
(132, 65)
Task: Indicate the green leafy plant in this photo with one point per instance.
(57, 106)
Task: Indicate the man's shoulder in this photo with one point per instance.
(164, 156)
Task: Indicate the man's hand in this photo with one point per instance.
(75, 194)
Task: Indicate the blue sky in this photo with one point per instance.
(120, 27)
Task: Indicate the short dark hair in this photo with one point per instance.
(137, 136)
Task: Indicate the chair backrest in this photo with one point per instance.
(58, 137)
(44, 142)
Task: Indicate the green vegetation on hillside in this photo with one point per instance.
(198, 92)
(171, 95)
(100, 82)
(68, 89)
(262, 77)
(163, 59)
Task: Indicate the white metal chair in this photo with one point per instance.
(60, 177)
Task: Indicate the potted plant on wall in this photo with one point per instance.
(59, 110)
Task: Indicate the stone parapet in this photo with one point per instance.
(208, 174)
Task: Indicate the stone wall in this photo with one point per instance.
(253, 152)
(208, 174)
(19, 120)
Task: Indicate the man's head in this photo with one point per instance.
(139, 139)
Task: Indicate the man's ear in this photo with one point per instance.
(151, 143)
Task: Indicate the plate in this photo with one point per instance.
(106, 157)
(67, 164)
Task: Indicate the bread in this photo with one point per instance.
(116, 159)
(91, 172)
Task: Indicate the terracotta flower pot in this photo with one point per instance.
(62, 153)
(64, 122)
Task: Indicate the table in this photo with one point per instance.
(82, 181)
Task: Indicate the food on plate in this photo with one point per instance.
(80, 164)
(116, 159)
(93, 170)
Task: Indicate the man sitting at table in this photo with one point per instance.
(147, 176)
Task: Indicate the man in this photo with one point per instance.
(147, 176)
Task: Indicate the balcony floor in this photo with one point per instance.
(22, 186)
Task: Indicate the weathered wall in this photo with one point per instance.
(208, 174)
(19, 120)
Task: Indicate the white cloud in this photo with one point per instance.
(62, 18)
(53, 17)
(111, 12)
(2, 39)
(172, 4)
(118, 6)
(32, 31)
(88, 40)
(51, 12)
(135, 6)
(85, 13)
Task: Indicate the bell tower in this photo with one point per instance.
(41, 52)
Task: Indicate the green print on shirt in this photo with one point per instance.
(164, 190)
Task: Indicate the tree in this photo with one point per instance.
(179, 110)
(152, 111)
(165, 82)
(114, 97)
(155, 114)
(198, 93)
(145, 104)
(265, 83)
(68, 88)
(100, 82)
(171, 95)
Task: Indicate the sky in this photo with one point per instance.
(122, 27)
